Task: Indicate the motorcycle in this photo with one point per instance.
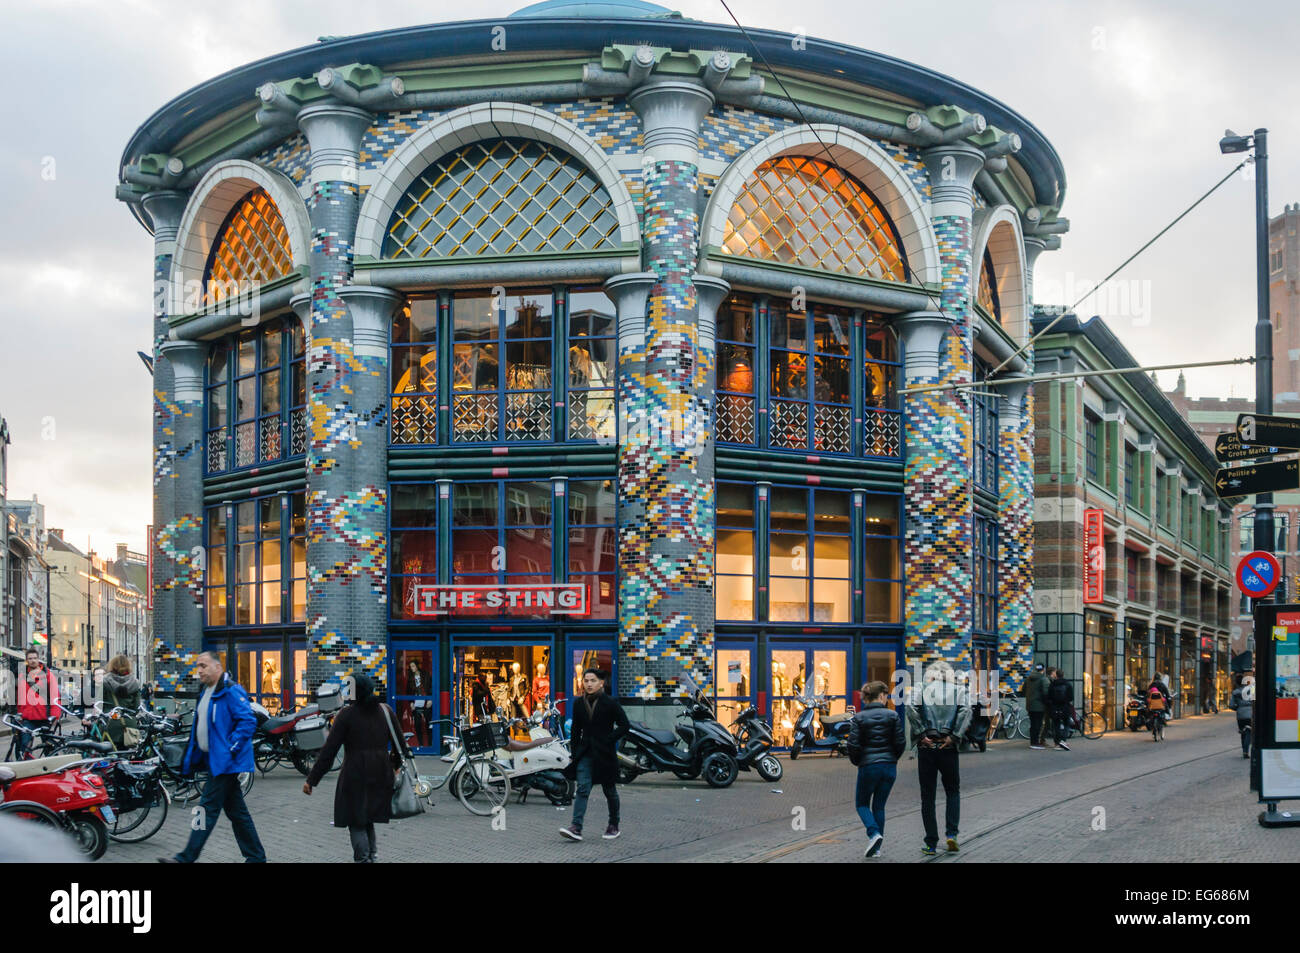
(1137, 717)
(62, 785)
(754, 741)
(538, 764)
(835, 728)
(710, 750)
(295, 737)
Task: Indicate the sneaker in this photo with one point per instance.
(1063, 746)
(572, 832)
(1245, 754)
(1035, 747)
(610, 832)
(168, 860)
(873, 845)
(928, 851)
(952, 845)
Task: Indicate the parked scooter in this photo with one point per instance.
(1137, 717)
(754, 740)
(835, 728)
(709, 750)
(74, 794)
(538, 764)
(295, 737)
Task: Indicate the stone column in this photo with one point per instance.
(1015, 533)
(347, 609)
(172, 659)
(179, 563)
(665, 466)
(938, 433)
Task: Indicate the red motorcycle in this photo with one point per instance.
(65, 787)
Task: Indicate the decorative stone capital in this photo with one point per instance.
(186, 359)
(301, 305)
(922, 334)
(372, 310)
(629, 293)
(1035, 245)
(164, 208)
(1011, 404)
(334, 133)
(711, 292)
(952, 169)
(671, 112)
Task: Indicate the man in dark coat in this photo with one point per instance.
(598, 724)
(363, 796)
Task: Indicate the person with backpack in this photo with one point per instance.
(876, 742)
(1060, 697)
(1243, 703)
(1035, 689)
(1158, 699)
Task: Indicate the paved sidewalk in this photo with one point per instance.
(1185, 799)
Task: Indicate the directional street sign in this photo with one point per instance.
(1257, 478)
(1258, 574)
(1228, 447)
(1270, 430)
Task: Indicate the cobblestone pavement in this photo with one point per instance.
(1186, 799)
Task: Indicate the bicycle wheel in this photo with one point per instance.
(131, 827)
(482, 786)
(1094, 725)
(1019, 726)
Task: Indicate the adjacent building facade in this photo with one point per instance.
(599, 352)
(1118, 468)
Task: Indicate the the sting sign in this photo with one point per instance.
(1094, 556)
(512, 599)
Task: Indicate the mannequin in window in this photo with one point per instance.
(270, 683)
(500, 693)
(519, 691)
(823, 682)
(480, 697)
(417, 683)
(796, 687)
(541, 687)
(781, 723)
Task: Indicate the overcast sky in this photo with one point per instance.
(1134, 96)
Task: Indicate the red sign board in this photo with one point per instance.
(1258, 574)
(1094, 556)
(513, 600)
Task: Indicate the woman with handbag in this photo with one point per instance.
(121, 690)
(372, 752)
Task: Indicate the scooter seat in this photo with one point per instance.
(829, 721)
(661, 735)
(100, 747)
(40, 766)
(271, 725)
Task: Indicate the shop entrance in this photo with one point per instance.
(413, 675)
(511, 679)
(733, 670)
(792, 665)
(585, 653)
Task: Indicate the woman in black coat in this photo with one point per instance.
(363, 797)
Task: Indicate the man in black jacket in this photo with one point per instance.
(876, 742)
(1060, 699)
(598, 724)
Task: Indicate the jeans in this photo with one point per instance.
(584, 767)
(24, 739)
(363, 843)
(1244, 729)
(874, 784)
(1060, 721)
(1036, 727)
(222, 793)
(931, 764)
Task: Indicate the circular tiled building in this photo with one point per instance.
(486, 351)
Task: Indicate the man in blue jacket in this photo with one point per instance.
(221, 740)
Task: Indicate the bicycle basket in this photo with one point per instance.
(480, 739)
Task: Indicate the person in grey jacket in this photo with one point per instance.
(938, 719)
(876, 742)
(1036, 704)
(1243, 703)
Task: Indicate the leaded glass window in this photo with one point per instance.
(502, 197)
(882, 422)
(802, 211)
(252, 248)
(988, 289)
(593, 363)
(501, 366)
(736, 353)
(256, 397)
(414, 371)
(811, 402)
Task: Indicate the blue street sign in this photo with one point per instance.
(1258, 574)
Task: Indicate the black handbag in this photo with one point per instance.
(404, 803)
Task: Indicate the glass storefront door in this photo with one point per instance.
(500, 679)
(261, 672)
(413, 677)
(585, 653)
(1137, 675)
(1099, 686)
(793, 665)
(734, 676)
(1188, 682)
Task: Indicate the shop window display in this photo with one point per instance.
(507, 680)
(583, 659)
(260, 672)
(414, 692)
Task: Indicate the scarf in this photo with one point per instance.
(590, 702)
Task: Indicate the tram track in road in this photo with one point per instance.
(972, 843)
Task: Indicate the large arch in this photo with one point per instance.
(856, 155)
(998, 230)
(468, 124)
(215, 195)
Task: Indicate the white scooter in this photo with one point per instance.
(538, 764)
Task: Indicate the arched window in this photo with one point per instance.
(988, 290)
(256, 397)
(802, 211)
(502, 197)
(252, 248)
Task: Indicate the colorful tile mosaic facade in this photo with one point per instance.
(727, 131)
(938, 506)
(665, 469)
(1016, 544)
(173, 667)
(909, 160)
(291, 157)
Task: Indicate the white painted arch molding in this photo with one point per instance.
(215, 195)
(856, 155)
(471, 124)
(998, 230)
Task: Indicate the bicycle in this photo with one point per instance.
(474, 778)
(41, 736)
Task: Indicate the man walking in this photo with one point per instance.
(221, 739)
(598, 724)
(937, 725)
(1036, 705)
(876, 742)
(38, 699)
(1060, 696)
